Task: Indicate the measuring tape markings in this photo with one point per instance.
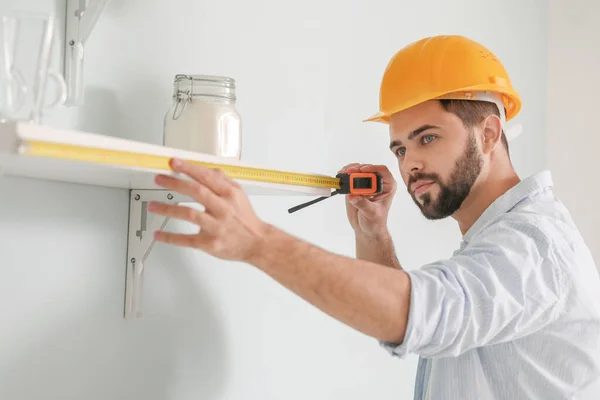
(118, 157)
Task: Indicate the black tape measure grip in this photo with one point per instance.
(357, 183)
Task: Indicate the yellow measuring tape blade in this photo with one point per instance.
(132, 159)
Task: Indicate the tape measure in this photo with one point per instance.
(360, 183)
(141, 160)
(356, 183)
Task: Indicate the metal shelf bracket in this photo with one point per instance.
(81, 17)
(140, 242)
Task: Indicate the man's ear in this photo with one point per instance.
(492, 133)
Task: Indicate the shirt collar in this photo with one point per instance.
(521, 191)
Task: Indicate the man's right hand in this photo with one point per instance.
(368, 214)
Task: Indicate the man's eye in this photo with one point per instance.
(401, 151)
(428, 138)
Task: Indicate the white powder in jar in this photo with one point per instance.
(204, 127)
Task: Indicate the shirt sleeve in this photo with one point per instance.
(505, 284)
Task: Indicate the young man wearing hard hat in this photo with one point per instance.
(513, 314)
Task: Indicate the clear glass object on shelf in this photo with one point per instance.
(203, 117)
(27, 41)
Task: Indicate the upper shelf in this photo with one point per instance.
(114, 163)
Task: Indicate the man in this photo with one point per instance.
(513, 314)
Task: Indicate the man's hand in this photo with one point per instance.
(368, 215)
(229, 227)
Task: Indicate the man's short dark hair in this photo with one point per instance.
(472, 112)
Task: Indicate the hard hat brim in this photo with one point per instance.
(379, 117)
(513, 99)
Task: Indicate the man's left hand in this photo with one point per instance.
(229, 227)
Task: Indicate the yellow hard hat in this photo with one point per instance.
(444, 67)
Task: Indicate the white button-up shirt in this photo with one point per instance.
(515, 313)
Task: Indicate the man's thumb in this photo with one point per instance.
(362, 203)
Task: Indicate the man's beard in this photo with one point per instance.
(452, 194)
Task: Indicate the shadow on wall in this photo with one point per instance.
(100, 113)
(105, 358)
(138, 115)
(83, 348)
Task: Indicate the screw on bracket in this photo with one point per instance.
(81, 10)
(137, 196)
(170, 196)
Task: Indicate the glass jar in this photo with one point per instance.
(203, 117)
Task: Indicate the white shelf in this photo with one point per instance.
(15, 162)
(17, 139)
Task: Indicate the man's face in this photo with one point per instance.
(439, 158)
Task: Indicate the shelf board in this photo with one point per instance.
(15, 161)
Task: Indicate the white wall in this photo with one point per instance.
(308, 72)
(573, 130)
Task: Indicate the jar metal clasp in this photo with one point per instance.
(184, 96)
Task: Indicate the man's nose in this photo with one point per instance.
(412, 163)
